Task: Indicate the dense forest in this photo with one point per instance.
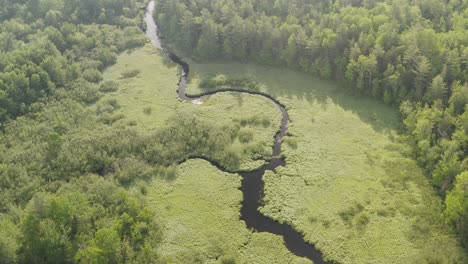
(63, 166)
(53, 207)
(48, 45)
(408, 53)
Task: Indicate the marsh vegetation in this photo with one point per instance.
(101, 162)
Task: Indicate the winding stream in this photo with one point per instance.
(252, 182)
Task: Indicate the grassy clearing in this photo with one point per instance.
(199, 212)
(349, 184)
(199, 209)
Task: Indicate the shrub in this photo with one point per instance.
(228, 260)
(108, 106)
(266, 123)
(254, 121)
(130, 169)
(147, 110)
(84, 91)
(292, 142)
(222, 81)
(349, 214)
(92, 75)
(362, 220)
(245, 136)
(129, 74)
(109, 86)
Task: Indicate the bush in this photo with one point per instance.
(228, 260)
(84, 91)
(266, 123)
(349, 214)
(147, 110)
(245, 136)
(92, 75)
(109, 86)
(222, 81)
(255, 121)
(130, 169)
(109, 119)
(362, 220)
(108, 106)
(292, 142)
(129, 74)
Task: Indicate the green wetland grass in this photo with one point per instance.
(199, 209)
(200, 215)
(149, 101)
(350, 184)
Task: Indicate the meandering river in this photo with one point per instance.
(252, 182)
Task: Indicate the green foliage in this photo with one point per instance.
(130, 169)
(92, 75)
(52, 209)
(61, 163)
(104, 248)
(148, 110)
(9, 234)
(345, 154)
(349, 214)
(74, 175)
(221, 81)
(456, 205)
(49, 45)
(199, 211)
(108, 86)
(343, 40)
(392, 50)
(49, 220)
(130, 74)
(73, 225)
(220, 112)
(188, 136)
(245, 136)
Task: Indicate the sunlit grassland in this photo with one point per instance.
(350, 185)
(199, 212)
(149, 101)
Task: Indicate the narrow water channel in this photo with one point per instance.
(252, 182)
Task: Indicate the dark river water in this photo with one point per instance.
(252, 182)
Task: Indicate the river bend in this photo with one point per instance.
(252, 182)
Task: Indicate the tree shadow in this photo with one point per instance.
(286, 84)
